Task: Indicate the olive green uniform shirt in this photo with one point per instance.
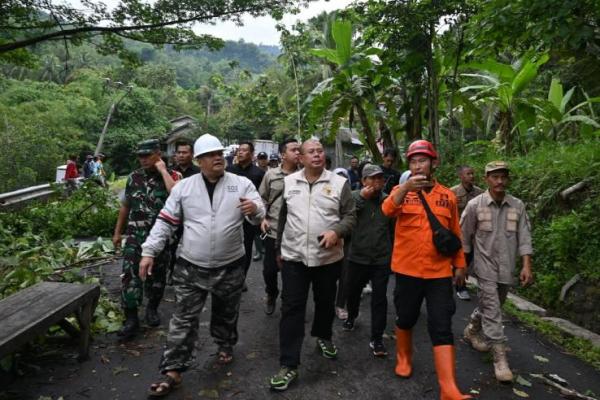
(271, 191)
(463, 196)
(496, 233)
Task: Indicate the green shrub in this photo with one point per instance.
(90, 211)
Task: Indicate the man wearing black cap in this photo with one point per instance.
(145, 195)
(262, 161)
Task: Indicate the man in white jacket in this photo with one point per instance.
(316, 214)
(211, 207)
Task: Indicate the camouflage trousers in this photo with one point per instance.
(132, 287)
(192, 285)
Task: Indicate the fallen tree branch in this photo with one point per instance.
(564, 392)
(565, 194)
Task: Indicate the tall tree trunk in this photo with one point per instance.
(417, 121)
(113, 106)
(369, 137)
(505, 130)
(452, 122)
(298, 113)
(386, 135)
(433, 91)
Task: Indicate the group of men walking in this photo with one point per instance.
(306, 215)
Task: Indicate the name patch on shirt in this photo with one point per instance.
(232, 188)
(294, 192)
(443, 201)
(412, 200)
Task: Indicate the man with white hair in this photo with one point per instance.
(211, 207)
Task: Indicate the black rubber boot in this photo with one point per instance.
(131, 325)
(152, 317)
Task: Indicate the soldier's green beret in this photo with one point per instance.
(148, 147)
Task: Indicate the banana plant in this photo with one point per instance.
(502, 85)
(555, 116)
(349, 89)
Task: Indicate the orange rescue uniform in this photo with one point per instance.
(414, 253)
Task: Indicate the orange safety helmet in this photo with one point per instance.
(421, 147)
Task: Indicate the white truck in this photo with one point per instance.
(268, 146)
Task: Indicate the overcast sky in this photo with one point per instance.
(255, 30)
(262, 30)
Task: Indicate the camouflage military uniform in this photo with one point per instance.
(192, 285)
(145, 195)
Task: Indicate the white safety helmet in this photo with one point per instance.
(206, 144)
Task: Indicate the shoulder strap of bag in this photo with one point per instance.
(433, 221)
(277, 196)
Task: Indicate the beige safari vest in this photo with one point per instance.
(496, 234)
(311, 211)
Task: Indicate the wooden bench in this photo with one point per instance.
(30, 312)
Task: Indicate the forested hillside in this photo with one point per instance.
(483, 80)
(58, 105)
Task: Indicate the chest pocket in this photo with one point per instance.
(443, 215)
(411, 216)
(512, 220)
(484, 219)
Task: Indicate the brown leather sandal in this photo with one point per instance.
(164, 387)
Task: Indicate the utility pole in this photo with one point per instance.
(113, 107)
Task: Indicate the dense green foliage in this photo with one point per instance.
(65, 115)
(483, 80)
(37, 244)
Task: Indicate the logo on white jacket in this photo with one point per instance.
(232, 188)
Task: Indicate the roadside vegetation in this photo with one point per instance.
(483, 80)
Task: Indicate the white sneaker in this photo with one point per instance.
(463, 295)
(367, 289)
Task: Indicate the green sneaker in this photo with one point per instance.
(284, 377)
(327, 348)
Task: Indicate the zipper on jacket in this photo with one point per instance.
(308, 225)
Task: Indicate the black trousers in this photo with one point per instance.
(342, 288)
(297, 278)
(438, 294)
(250, 232)
(358, 276)
(270, 269)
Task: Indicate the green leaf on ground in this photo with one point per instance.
(118, 370)
(522, 381)
(541, 359)
(520, 393)
(209, 393)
